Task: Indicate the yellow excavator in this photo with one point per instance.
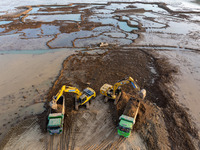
(81, 98)
(114, 92)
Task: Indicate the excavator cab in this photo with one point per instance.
(82, 99)
(85, 98)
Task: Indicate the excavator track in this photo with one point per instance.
(106, 142)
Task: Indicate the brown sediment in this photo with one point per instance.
(139, 10)
(55, 36)
(139, 26)
(69, 27)
(28, 9)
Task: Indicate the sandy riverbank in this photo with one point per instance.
(187, 82)
(24, 80)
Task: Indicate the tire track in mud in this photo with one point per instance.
(99, 136)
(117, 143)
(70, 136)
(50, 145)
(63, 139)
(106, 141)
(103, 144)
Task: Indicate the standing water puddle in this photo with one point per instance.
(50, 18)
(66, 39)
(104, 20)
(38, 10)
(124, 26)
(41, 10)
(151, 7)
(2, 29)
(5, 22)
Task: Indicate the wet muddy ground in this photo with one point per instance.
(85, 25)
(162, 123)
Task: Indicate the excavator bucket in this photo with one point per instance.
(117, 98)
(142, 94)
(53, 105)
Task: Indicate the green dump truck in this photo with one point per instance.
(56, 117)
(127, 120)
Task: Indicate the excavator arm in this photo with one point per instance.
(126, 81)
(141, 93)
(66, 89)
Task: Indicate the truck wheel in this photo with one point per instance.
(106, 99)
(87, 105)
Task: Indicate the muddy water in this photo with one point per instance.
(5, 22)
(57, 26)
(50, 18)
(60, 31)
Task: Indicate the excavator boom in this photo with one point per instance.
(114, 92)
(64, 88)
(125, 81)
(81, 98)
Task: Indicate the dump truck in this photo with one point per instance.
(56, 117)
(128, 118)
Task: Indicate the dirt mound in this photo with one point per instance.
(122, 103)
(157, 120)
(149, 122)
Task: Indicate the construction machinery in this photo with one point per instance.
(114, 92)
(56, 117)
(81, 98)
(127, 120)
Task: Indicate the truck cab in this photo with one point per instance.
(86, 96)
(55, 125)
(56, 117)
(125, 125)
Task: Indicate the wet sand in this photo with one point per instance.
(187, 82)
(24, 81)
